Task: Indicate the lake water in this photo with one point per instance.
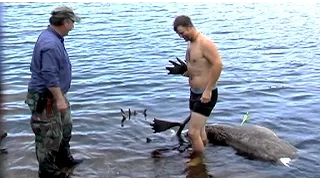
(119, 52)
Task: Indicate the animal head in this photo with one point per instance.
(216, 134)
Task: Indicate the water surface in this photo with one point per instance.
(119, 51)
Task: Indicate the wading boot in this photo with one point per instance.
(71, 162)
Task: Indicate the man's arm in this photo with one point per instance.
(211, 53)
(187, 57)
(50, 72)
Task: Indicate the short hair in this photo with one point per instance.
(56, 21)
(182, 20)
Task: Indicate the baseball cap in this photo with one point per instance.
(65, 12)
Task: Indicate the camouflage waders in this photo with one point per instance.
(52, 131)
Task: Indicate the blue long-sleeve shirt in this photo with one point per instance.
(50, 65)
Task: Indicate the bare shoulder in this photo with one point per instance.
(210, 50)
(208, 44)
(208, 47)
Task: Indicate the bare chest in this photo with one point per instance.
(195, 55)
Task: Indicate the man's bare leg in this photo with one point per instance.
(204, 138)
(197, 123)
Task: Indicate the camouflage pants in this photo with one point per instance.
(52, 131)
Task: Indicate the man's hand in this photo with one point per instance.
(186, 74)
(206, 96)
(177, 68)
(62, 105)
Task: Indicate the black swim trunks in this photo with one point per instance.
(197, 106)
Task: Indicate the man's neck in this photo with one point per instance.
(58, 30)
(195, 36)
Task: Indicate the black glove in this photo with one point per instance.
(177, 68)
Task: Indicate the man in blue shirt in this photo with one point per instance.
(50, 81)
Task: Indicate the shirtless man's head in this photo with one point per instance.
(184, 28)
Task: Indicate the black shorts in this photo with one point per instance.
(205, 109)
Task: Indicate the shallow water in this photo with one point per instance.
(119, 51)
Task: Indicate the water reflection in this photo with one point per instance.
(198, 171)
(196, 167)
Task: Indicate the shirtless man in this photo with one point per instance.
(204, 67)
